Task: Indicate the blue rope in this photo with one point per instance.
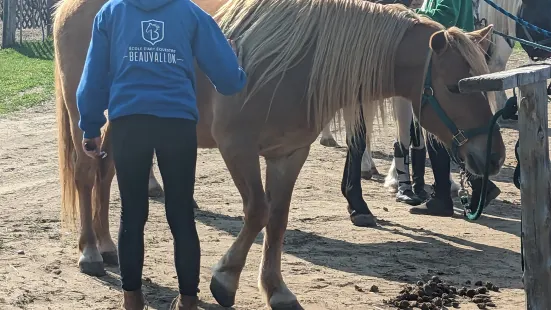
(519, 20)
(541, 47)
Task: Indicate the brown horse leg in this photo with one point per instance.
(281, 175)
(154, 188)
(105, 244)
(244, 165)
(90, 261)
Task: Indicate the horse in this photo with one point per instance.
(537, 12)
(305, 60)
(85, 184)
(497, 57)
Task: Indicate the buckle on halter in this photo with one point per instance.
(428, 91)
(460, 138)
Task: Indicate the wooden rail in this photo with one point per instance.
(535, 189)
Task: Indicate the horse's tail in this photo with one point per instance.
(67, 155)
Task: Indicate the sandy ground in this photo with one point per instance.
(326, 259)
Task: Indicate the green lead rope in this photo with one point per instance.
(508, 112)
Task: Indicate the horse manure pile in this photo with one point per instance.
(436, 294)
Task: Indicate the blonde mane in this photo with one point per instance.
(469, 50)
(473, 54)
(352, 53)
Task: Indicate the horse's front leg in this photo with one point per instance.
(243, 162)
(281, 175)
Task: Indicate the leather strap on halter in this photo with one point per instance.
(460, 137)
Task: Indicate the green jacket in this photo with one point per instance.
(458, 13)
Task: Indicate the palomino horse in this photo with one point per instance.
(306, 60)
(81, 178)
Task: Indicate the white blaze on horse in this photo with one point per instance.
(306, 60)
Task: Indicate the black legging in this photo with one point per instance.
(134, 139)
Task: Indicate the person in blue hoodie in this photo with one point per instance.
(140, 67)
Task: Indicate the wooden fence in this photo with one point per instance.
(535, 188)
(19, 15)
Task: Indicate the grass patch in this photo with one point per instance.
(26, 75)
(518, 47)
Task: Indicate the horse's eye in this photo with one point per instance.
(454, 89)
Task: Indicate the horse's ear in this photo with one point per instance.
(439, 42)
(482, 37)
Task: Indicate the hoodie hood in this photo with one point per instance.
(149, 5)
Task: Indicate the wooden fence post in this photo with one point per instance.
(535, 195)
(10, 23)
(535, 188)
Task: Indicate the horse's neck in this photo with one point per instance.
(501, 22)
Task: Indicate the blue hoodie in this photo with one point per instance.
(141, 61)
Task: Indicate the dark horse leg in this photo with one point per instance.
(351, 186)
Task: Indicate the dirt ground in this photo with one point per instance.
(326, 261)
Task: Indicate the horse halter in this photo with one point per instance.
(460, 136)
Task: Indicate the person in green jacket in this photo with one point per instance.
(449, 13)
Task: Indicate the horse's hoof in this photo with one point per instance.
(374, 171)
(94, 269)
(329, 142)
(110, 258)
(366, 175)
(363, 220)
(156, 192)
(223, 297)
(294, 305)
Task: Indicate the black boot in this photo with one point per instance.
(401, 161)
(440, 203)
(418, 157)
(492, 192)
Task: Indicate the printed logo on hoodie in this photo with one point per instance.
(153, 32)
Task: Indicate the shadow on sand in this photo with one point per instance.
(453, 256)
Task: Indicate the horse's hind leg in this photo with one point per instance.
(90, 261)
(327, 137)
(244, 165)
(368, 167)
(154, 188)
(106, 246)
(281, 175)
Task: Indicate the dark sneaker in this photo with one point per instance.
(435, 206)
(407, 196)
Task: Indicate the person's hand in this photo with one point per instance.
(92, 147)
